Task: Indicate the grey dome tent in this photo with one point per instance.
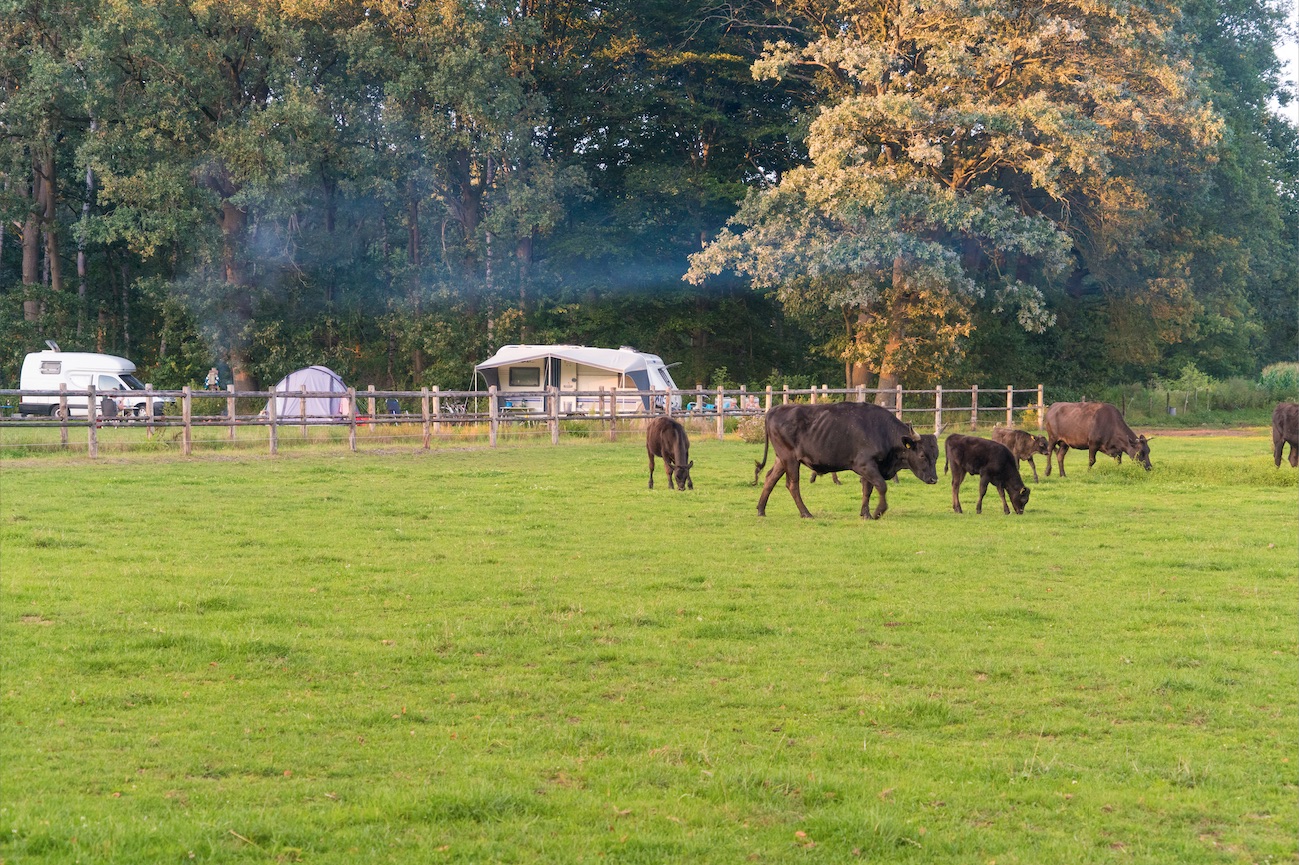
(320, 409)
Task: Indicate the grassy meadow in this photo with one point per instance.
(524, 655)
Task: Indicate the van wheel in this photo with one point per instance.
(56, 412)
(139, 410)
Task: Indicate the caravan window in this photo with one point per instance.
(51, 367)
(132, 382)
(108, 382)
(525, 376)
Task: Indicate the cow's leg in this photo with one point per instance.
(983, 488)
(670, 467)
(1059, 458)
(1091, 457)
(1034, 467)
(1294, 456)
(1278, 447)
(835, 477)
(1050, 452)
(871, 478)
(1001, 490)
(791, 484)
(958, 477)
(777, 470)
(651, 459)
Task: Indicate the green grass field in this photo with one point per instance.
(524, 655)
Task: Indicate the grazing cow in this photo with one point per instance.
(1091, 426)
(992, 462)
(1023, 445)
(666, 438)
(836, 437)
(1285, 430)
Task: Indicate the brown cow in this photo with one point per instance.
(1023, 445)
(992, 462)
(1091, 426)
(666, 438)
(1285, 430)
(837, 437)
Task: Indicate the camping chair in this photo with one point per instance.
(393, 406)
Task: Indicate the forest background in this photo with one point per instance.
(1080, 192)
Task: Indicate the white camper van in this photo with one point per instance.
(46, 370)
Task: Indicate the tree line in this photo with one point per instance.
(868, 191)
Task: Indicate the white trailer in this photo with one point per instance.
(522, 373)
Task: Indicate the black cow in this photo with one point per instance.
(666, 438)
(992, 462)
(1285, 430)
(1023, 445)
(1091, 426)
(836, 437)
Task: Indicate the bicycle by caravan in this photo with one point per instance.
(112, 377)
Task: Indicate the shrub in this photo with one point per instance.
(1281, 380)
(751, 429)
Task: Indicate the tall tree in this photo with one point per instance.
(964, 148)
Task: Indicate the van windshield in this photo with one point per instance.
(131, 381)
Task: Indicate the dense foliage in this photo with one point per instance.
(1073, 192)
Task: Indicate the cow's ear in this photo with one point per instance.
(908, 443)
(690, 464)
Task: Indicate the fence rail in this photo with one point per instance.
(435, 411)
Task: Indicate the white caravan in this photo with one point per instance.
(522, 373)
(46, 370)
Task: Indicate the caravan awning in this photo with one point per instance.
(621, 360)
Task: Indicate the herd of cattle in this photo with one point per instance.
(871, 441)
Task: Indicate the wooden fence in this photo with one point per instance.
(436, 411)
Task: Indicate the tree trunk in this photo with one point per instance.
(81, 246)
(889, 363)
(32, 246)
(523, 253)
(416, 255)
(49, 188)
(234, 221)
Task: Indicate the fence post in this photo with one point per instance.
(938, 410)
(273, 416)
(699, 399)
(351, 418)
(437, 411)
(92, 423)
(1010, 406)
(424, 414)
(553, 396)
(974, 407)
(231, 417)
(148, 411)
(767, 407)
(1041, 408)
(721, 417)
(785, 397)
(744, 395)
(825, 392)
(899, 403)
(861, 393)
(187, 419)
(63, 414)
(302, 410)
(812, 396)
(613, 414)
(369, 405)
(492, 418)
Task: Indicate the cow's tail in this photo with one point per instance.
(947, 457)
(766, 444)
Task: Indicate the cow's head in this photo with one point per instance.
(1040, 445)
(1141, 451)
(1018, 499)
(920, 454)
(682, 475)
